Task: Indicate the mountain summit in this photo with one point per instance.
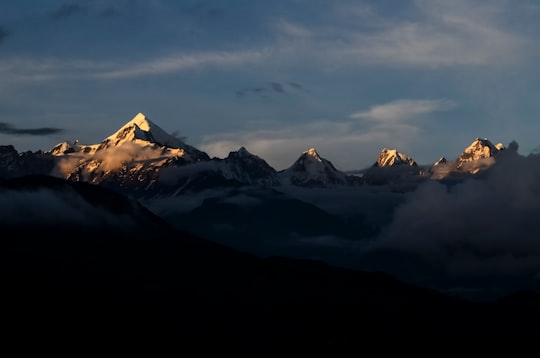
(245, 167)
(310, 169)
(130, 158)
(391, 157)
(480, 149)
(140, 128)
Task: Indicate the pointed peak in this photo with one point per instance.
(479, 149)
(481, 143)
(140, 128)
(391, 157)
(141, 121)
(442, 160)
(312, 152)
(310, 169)
(242, 150)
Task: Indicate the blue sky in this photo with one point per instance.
(279, 77)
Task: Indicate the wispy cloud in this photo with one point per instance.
(437, 34)
(182, 62)
(403, 109)
(28, 69)
(6, 128)
(440, 34)
(288, 28)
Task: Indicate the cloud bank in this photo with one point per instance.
(49, 208)
(481, 227)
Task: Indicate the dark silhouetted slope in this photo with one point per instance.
(103, 289)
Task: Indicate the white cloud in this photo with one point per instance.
(182, 62)
(403, 109)
(292, 29)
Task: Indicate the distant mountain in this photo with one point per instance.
(391, 157)
(130, 159)
(144, 161)
(310, 169)
(248, 168)
(141, 131)
(239, 168)
(473, 157)
(394, 168)
(14, 164)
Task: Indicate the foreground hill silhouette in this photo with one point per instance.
(73, 287)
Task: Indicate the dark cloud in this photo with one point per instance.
(272, 87)
(9, 129)
(68, 10)
(3, 33)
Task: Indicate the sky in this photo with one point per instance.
(347, 77)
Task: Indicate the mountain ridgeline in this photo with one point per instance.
(141, 159)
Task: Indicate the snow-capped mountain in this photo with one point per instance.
(391, 157)
(143, 132)
(478, 155)
(143, 160)
(310, 169)
(394, 168)
(130, 158)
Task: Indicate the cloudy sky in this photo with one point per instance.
(346, 77)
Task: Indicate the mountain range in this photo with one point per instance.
(143, 160)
